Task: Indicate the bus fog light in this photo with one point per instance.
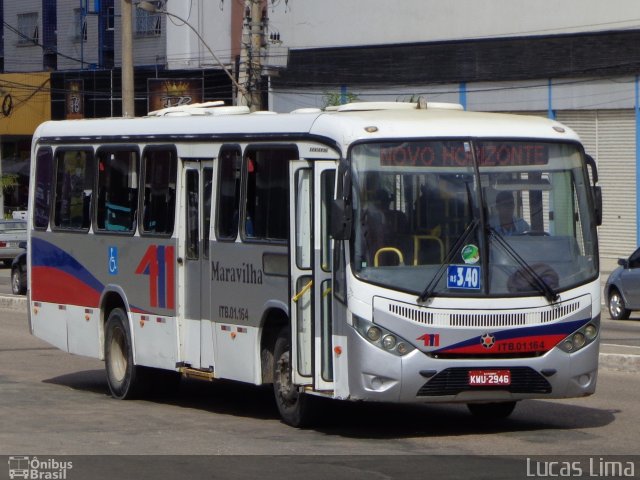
(590, 332)
(374, 334)
(389, 342)
(584, 380)
(578, 340)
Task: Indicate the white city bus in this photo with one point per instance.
(360, 253)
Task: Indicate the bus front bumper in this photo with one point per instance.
(377, 375)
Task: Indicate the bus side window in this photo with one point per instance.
(207, 178)
(328, 180)
(267, 194)
(44, 182)
(74, 188)
(228, 202)
(160, 169)
(117, 195)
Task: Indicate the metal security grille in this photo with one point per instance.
(609, 136)
(453, 381)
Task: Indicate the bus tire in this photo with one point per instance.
(491, 411)
(125, 379)
(295, 407)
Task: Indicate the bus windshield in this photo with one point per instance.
(482, 218)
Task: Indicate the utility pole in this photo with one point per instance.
(250, 74)
(128, 104)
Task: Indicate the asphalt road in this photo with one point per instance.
(57, 404)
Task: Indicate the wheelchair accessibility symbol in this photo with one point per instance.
(113, 260)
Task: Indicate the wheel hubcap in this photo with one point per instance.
(615, 305)
(285, 388)
(117, 359)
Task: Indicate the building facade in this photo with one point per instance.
(67, 54)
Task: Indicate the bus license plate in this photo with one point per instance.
(490, 378)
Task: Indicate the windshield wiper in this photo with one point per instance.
(428, 291)
(534, 278)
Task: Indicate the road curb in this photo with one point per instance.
(609, 361)
(620, 362)
(13, 302)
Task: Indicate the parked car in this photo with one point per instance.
(622, 290)
(19, 272)
(12, 232)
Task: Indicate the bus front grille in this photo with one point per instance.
(453, 381)
(484, 319)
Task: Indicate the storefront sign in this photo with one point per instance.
(74, 102)
(164, 93)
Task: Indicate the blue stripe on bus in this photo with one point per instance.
(45, 254)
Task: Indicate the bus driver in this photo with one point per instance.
(506, 223)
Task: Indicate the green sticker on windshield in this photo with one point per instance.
(470, 254)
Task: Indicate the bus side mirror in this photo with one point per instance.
(597, 191)
(597, 197)
(341, 219)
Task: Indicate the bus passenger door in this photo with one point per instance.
(300, 259)
(324, 177)
(195, 309)
(310, 258)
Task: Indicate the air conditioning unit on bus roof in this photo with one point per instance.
(420, 105)
(207, 108)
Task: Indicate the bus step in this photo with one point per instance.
(197, 374)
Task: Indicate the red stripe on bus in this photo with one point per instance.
(55, 286)
(169, 258)
(540, 343)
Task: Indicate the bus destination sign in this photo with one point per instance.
(457, 154)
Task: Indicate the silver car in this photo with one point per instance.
(622, 289)
(12, 232)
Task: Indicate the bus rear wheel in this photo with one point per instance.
(125, 379)
(295, 407)
(491, 410)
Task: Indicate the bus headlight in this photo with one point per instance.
(389, 342)
(374, 334)
(381, 337)
(590, 332)
(580, 338)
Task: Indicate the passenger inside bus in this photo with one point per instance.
(387, 231)
(430, 211)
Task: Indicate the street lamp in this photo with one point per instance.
(150, 7)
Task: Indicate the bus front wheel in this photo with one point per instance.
(491, 410)
(125, 379)
(294, 406)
